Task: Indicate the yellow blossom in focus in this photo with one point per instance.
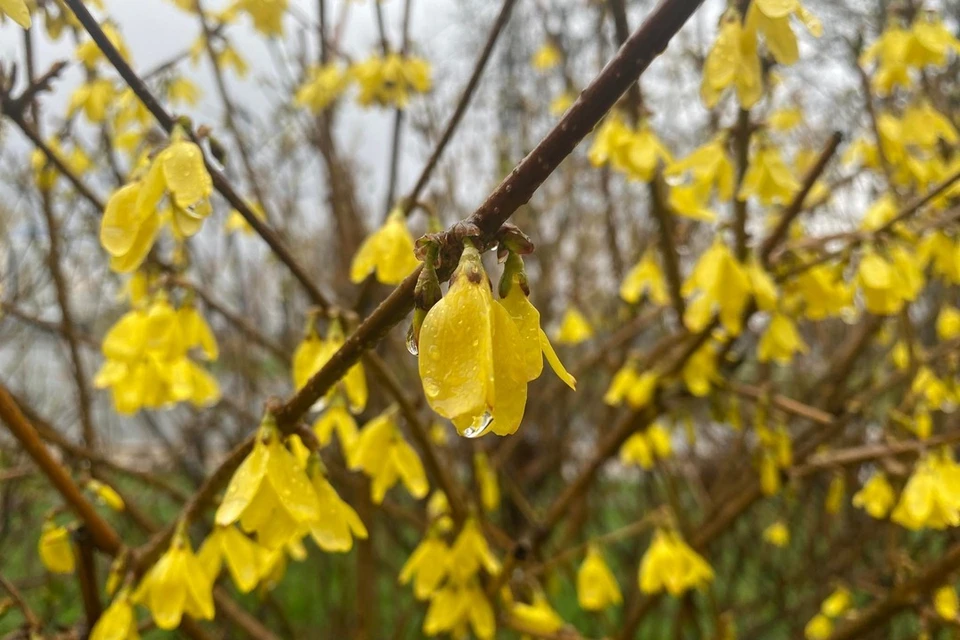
(514, 297)
(473, 362)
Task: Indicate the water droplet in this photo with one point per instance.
(411, 343)
(476, 342)
(431, 387)
(479, 426)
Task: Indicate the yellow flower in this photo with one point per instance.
(948, 323)
(236, 222)
(338, 523)
(243, 556)
(118, 622)
(546, 57)
(931, 41)
(780, 341)
(946, 603)
(700, 370)
(597, 588)
(267, 15)
(89, 53)
(641, 448)
(887, 284)
(645, 278)
(132, 217)
(722, 281)
(487, 481)
(537, 617)
(785, 119)
(943, 254)
(469, 553)
(270, 493)
(56, 549)
(383, 454)
(636, 450)
(930, 498)
(709, 167)
(472, 363)
(823, 291)
(670, 564)
(427, 566)
(93, 98)
(389, 80)
(772, 19)
(325, 84)
(175, 585)
(625, 378)
(818, 628)
(889, 51)
(536, 346)
(768, 179)
(636, 153)
(309, 358)
(876, 497)
(454, 607)
(560, 104)
(837, 603)
(337, 419)
(733, 60)
(17, 10)
(690, 201)
(574, 327)
(387, 251)
(184, 91)
(835, 494)
(106, 495)
(777, 534)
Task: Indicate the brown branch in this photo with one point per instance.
(466, 98)
(796, 205)
(29, 616)
(668, 247)
(101, 532)
(515, 190)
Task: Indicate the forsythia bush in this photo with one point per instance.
(753, 327)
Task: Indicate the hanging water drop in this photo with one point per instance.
(479, 426)
(412, 346)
